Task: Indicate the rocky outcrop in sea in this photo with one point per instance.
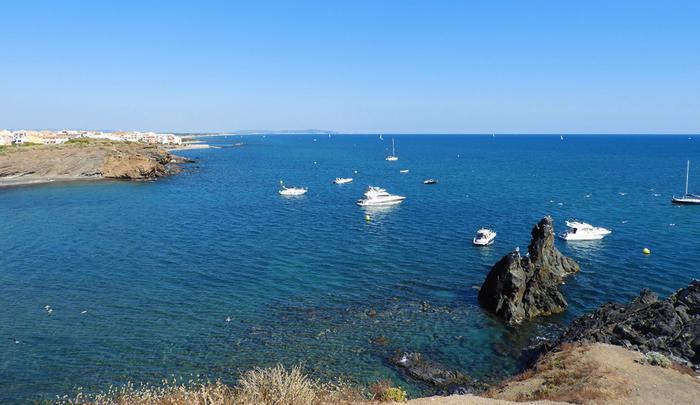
(442, 379)
(519, 288)
(670, 326)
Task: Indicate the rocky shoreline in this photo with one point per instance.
(608, 356)
(86, 160)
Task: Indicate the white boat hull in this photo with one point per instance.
(392, 158)
(483, 242)
(686, 200)
(592, 236)
(364, 203)
(342, 181)
(292, 193)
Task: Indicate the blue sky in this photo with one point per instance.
(355, 66)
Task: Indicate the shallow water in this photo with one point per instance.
(160, 266)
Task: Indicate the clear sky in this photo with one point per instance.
(354, 66)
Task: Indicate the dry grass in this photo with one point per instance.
(271, 386)
(567, 376)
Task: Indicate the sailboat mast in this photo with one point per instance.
(687, 173)
(393, 150)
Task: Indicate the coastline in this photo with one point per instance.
(21, 181)
(86, 161)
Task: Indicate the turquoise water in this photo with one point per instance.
(160, 266)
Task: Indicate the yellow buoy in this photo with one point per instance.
(367, 218)
(646, 251)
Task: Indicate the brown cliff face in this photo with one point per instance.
(84, 161)
(140, 164)
(519, 288)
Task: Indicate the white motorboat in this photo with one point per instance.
(342, 180)
(430, 181)
(375, 196)
(579, 230)
(392, 157)
(687, 197)
(293, 191)
(484, 237)
(403, 171)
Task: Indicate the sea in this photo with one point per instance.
(211, 272)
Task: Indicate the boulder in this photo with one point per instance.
(444, 380)
(670, 326)
(519, 288)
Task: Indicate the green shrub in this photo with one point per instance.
(394, 394)
(656, 359)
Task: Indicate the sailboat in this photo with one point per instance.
(687, 198)
(392, 157)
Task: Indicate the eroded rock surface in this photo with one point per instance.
(670, 326)
(84, 161)
(444, 380)
(519, 288)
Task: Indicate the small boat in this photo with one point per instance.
(342, 180)
(579, 230)
(687, 198)
(293, 191)
(376, 196)
(403, 171)
(484, 237)
(381, 138)
(430, 181)
(561, 137)
(392, 157)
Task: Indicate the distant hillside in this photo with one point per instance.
(281, 132)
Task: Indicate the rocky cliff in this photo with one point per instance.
(83, 161)
(670, 326)
(519, 288)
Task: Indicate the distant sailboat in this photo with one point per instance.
(687, 198)
(561, 137)
(392, 157)
(381, 138)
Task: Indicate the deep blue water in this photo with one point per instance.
(160, 266)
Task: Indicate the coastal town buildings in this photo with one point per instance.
(47, 137)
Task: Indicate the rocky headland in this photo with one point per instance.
(646, 324)
(85, 160)
(519, 288)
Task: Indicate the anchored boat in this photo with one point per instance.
(293, 191)
(687, 198)
(392, 157)
(376, 196)
(484, 237)
(579, 230)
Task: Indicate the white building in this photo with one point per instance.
(5, 137)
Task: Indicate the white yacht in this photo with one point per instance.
(403, 171)
(342, 180)
(687, 198)
(375, 196)
(484, 237)
(392, 157)
(293, 191)
(579, 230)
